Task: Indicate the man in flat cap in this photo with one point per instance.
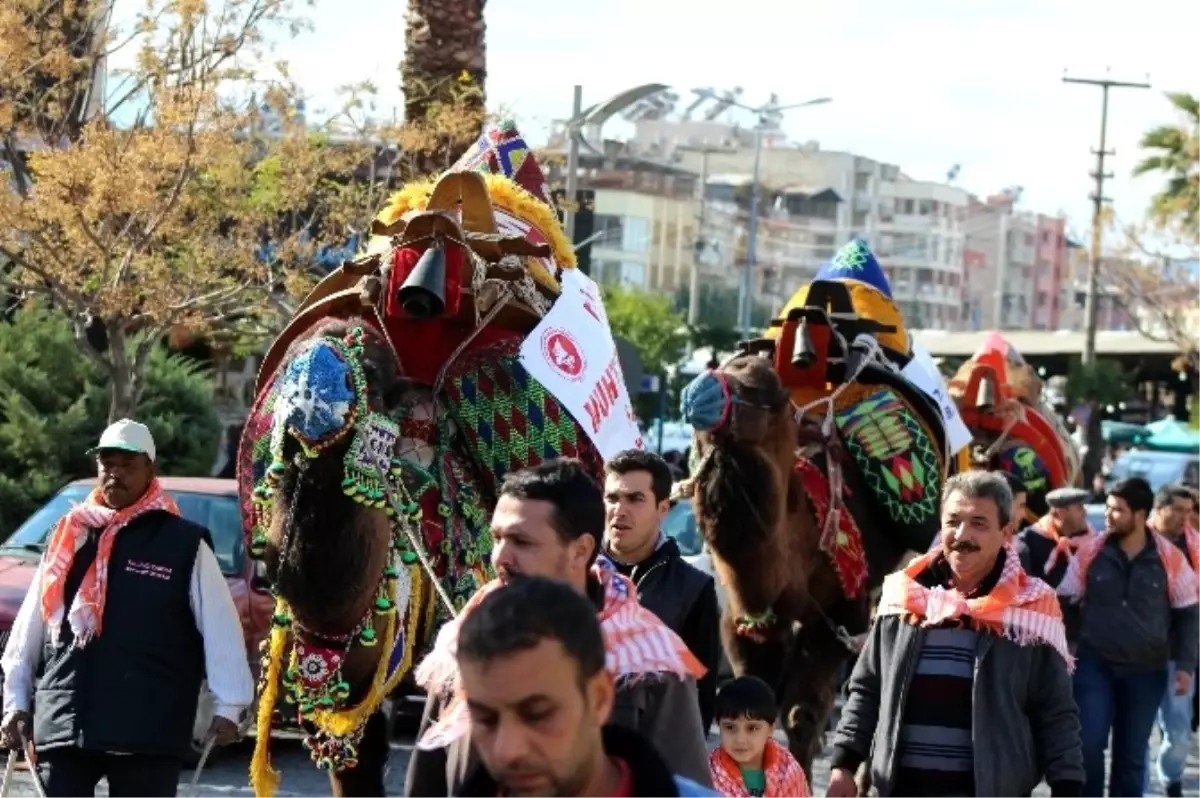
(1046, 547)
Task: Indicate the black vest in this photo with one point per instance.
(134, 688)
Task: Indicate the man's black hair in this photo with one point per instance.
(1015, 483)
(1136, 493)
(640, 460)
(565, 484)
(746, 697)
(1167, 495)
(521, 614)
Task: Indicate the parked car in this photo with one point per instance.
(1157, 468)
(213, 503)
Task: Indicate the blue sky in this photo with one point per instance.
(924, 84)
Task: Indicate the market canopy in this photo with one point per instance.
(1169, 435)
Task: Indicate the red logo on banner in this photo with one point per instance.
(564, 354)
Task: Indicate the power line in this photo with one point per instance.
(1090, 301)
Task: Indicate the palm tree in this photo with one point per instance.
(1175, 153)
(443, 74)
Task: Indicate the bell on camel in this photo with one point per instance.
(803, 352)
(986, 395)
(423, 294)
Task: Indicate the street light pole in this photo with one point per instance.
(747, 291)
(573, 166)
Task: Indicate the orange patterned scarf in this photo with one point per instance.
(1020, 608)
(86, 614)
(784, 775)
(1182, 587)
(637, 643)
(1063, 546)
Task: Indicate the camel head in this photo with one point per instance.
(747, 500)
(327, 528)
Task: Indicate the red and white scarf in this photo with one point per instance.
(86, 613)
(784, 775)
(1019, 608)
(637, 644)
(1064, 546)
(1183, 589)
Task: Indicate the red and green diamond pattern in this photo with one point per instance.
(894, 454)
(509, 420)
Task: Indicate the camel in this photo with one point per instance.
(386, 415)
(817, 466)
(999, 396)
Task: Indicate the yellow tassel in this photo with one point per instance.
(263, 778)
(509, 196)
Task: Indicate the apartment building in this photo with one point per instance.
(1006, 239)
(814, 200)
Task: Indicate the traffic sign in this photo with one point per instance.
(649, 384)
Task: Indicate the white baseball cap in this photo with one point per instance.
(128, 436)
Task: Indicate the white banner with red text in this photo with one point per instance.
(572, 353)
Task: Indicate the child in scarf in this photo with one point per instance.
(749, 762)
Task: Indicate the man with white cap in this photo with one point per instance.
(127, 613)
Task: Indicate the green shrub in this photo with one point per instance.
(54, 405)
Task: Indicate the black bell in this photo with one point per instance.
(423, 294)
(803, 352)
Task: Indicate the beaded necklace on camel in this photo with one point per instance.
(331, 371)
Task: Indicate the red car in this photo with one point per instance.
(212, 503)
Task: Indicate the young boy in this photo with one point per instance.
(748, 762)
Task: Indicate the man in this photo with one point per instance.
(1172, 506)
(532, 659)
(963, 687)
(637, 490)
(1048, 545)
(127, 612)
(549, 522)
(1139, 611)
(1020, 494)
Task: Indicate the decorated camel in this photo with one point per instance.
(386, 415)
(816, 465)
(999, 397)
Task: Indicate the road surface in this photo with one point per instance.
(228, 775)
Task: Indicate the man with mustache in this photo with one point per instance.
(532, 658)
(127, 613)
(637, 496)
(963, 687)
(1138, 598)
(1172, 505)
(549, 522)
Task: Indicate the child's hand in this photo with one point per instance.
(842, 784)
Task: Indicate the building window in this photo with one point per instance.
(862, 181)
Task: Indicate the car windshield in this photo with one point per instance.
(1157, 468)
(680, 524)
(220, 514)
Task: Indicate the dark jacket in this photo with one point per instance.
(1034, 549)
(1025, 724)
(1127, 618)
(685, 599)
(663, 710)
(133, 688)
(650, 774)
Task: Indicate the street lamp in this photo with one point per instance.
(746, 299)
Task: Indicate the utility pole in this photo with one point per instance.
(693, 316)
(573, 165)
(1093, 284)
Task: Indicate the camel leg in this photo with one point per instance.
(367, 778)
(809, 692)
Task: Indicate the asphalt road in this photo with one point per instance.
(227, 776)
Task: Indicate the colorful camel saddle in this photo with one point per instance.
(838, 347)
(999, 396)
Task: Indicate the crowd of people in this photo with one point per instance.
(1000, 659)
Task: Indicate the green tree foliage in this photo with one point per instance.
(54, 404)
(657, 332)
(717, 325)
(1173, 153)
